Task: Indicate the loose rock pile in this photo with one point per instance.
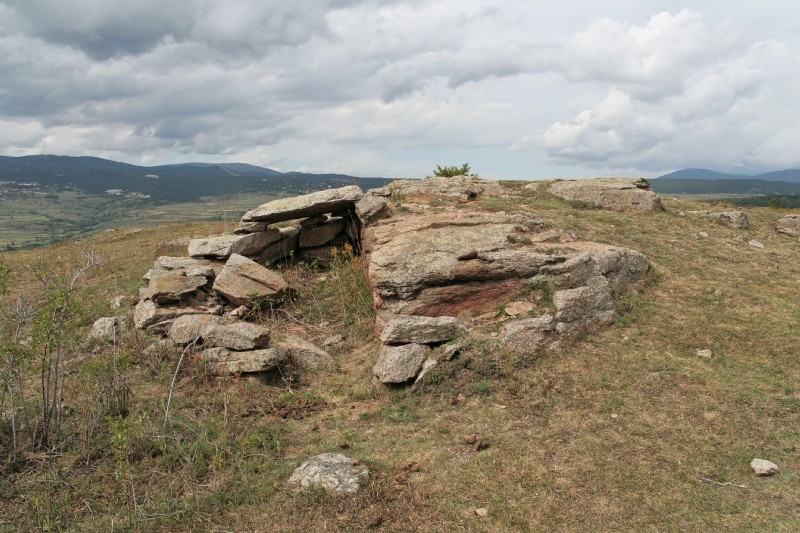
(200, 299)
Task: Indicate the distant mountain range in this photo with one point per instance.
(704, 181)
(168, 183)
(790, 175)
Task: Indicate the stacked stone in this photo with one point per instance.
(187, 297)
(408, 345)
(329, 220)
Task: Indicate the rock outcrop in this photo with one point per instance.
(789, 221)
(625, 194)
(731, 219)
(433, 272)
(460, 188)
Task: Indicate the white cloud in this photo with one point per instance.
(694, 103)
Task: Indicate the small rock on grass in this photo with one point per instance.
(333, 472)
(705, 354)
(754, 243)
(482, 512)
(762, 467)
(333, 340)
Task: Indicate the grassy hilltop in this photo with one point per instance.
(627, 430)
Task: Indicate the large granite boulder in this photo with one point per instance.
(626, 194)
(244, 281)
(427, 268)
(308, 205)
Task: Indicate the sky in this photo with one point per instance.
(520, 90)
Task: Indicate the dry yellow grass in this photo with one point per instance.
(614, 433)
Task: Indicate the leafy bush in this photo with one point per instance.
(449, 172)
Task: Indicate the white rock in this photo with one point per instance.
(705, 354)
(755, 243)
(762, 467)
(334, 472)
(108, 327)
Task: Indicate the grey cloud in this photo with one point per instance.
(104, 29)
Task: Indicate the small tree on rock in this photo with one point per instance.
(449, 172)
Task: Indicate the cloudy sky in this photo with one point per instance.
(389, 88)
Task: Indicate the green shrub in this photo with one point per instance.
(449, 172)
